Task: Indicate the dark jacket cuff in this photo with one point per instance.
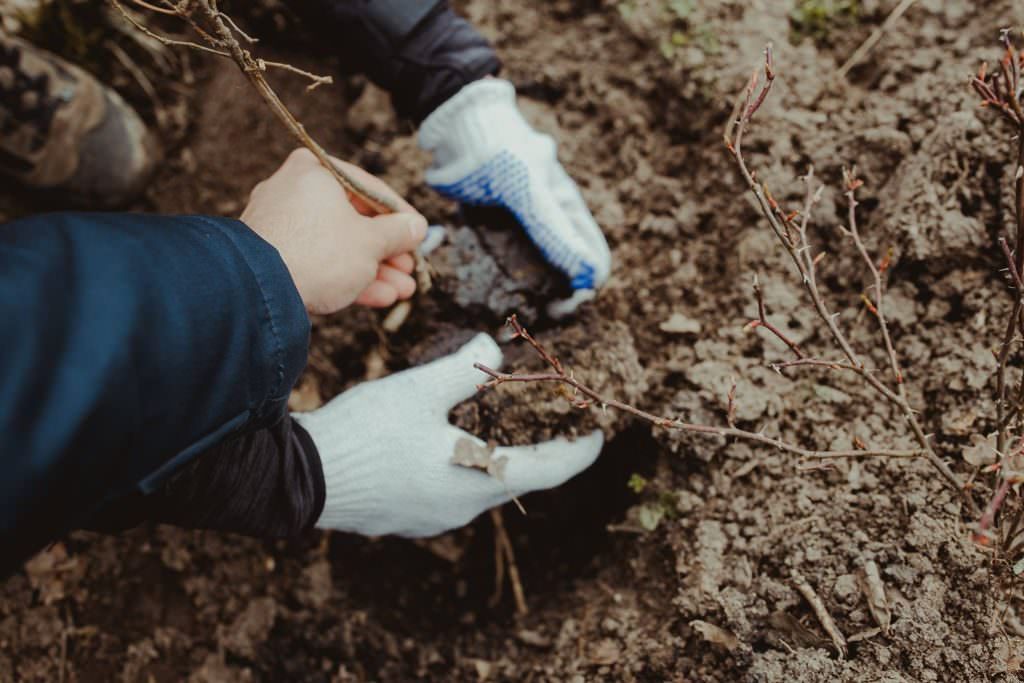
(268, 484)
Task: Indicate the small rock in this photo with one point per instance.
(678, 323)
(845, 588)
(251, 628)
(605, 653)
(533, 639)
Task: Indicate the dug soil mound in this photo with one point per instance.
(675, 558)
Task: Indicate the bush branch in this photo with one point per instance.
(559, 375)
(799, 250)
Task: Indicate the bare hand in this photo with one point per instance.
(335, 252)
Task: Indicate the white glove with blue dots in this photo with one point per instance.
(486, 154)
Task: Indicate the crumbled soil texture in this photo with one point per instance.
(688, 575)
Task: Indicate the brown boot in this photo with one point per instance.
(63, 132)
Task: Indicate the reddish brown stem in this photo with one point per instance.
(762, 321)
(559, 375)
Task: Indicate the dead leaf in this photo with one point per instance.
(650, 516)
(796, 634)
(716, 635)
(469, 453)
(821, 612)
(982, 450)
(1008, 656)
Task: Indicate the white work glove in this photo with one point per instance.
(486, 154)
(386, 448)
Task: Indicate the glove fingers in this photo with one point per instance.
(549, 464)
(553, 231)
(453, 379)
(572, 203)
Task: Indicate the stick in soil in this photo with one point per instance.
(872, 40)
(821, 612)
(504, 556)
(874, 592)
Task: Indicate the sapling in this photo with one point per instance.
(791, 229)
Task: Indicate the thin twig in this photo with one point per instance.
(1015, 324)
(561, 376)
(225, 44)
(154, 8)
(138, 74)
(231, 22)
(378, 203)
(872, 40)
(852, 183)
(222, 42)
(170, 42)
(799, 251)
(762, 321)
(814, 362)
(317, 81)
(504, 547)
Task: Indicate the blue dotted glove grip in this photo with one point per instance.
(504, 182)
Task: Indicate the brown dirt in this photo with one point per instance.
(609, 599)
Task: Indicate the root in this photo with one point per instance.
(504, 556)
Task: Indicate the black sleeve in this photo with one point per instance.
(419, 51)
(267, 484)
(130, 344)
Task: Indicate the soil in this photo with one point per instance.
(675, 557)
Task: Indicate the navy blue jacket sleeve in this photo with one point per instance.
(128, 344)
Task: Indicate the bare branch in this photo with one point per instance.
(559, 375)
(762, 321)
(1002, 92)
(170, 42)
(799, 251)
